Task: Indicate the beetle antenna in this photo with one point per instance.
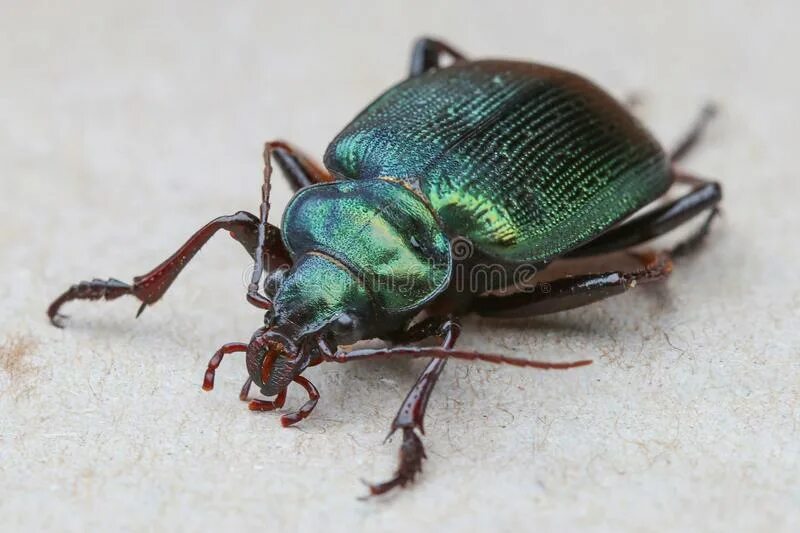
(253, 294)
(416, 352)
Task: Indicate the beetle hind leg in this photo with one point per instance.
(692, 137)
(427, 54)
(704, 196)
(574, 291)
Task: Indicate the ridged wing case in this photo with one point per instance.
(527, 161)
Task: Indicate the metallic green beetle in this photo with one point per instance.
(458, 182)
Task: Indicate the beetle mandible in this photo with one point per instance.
(517, 163)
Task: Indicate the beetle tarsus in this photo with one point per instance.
(271, 405)
(245, 389)
(696, 239)
(268, 405)
(302, 413)
(97, 289)
(695, 133)
(411, 415)
(411, 454)
(58, 320)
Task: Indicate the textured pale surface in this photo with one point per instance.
(124, 127)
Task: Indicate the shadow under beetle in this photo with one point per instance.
(520, 162)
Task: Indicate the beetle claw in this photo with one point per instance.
(58, 320)
(369, 485)
(412, 453)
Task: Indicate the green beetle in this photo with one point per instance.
(456, 183)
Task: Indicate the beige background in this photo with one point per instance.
(124, 126)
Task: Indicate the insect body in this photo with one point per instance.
(520, 164)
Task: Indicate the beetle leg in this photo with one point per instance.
(245, 389)
(427, 53)
(429, 327)
(216, 360)
(268, 405)
(411, 414)
(298, 168)
(695, 133)
(313, 397)
(694, 240)
(703, 196)
(574, 291)
(150, 287)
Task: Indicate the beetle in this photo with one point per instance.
(491, 162)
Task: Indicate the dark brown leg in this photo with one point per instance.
(150, 287)
(313, 397)
(412, 411)
(695, 133)
(290, 418)
(427, 54)
(299, 169)
(705, 195)
(268, 405)
(243, 394)
(216, 360)
(574, 291)
(425, 329)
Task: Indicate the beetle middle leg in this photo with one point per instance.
(150, 287)
(290, 418)
(573, 291)
(412, 411)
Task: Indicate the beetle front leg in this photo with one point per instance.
(302, 413)
(268, 405)
(150, 287)
(412, 412)
(290, 418)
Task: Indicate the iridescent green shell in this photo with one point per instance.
(381, 231)
(525, 160)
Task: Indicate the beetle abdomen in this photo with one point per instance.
(527, 161)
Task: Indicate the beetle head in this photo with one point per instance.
(273, 361)
(317, 297)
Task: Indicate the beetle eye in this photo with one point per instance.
(344, 322)
(343, 327)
